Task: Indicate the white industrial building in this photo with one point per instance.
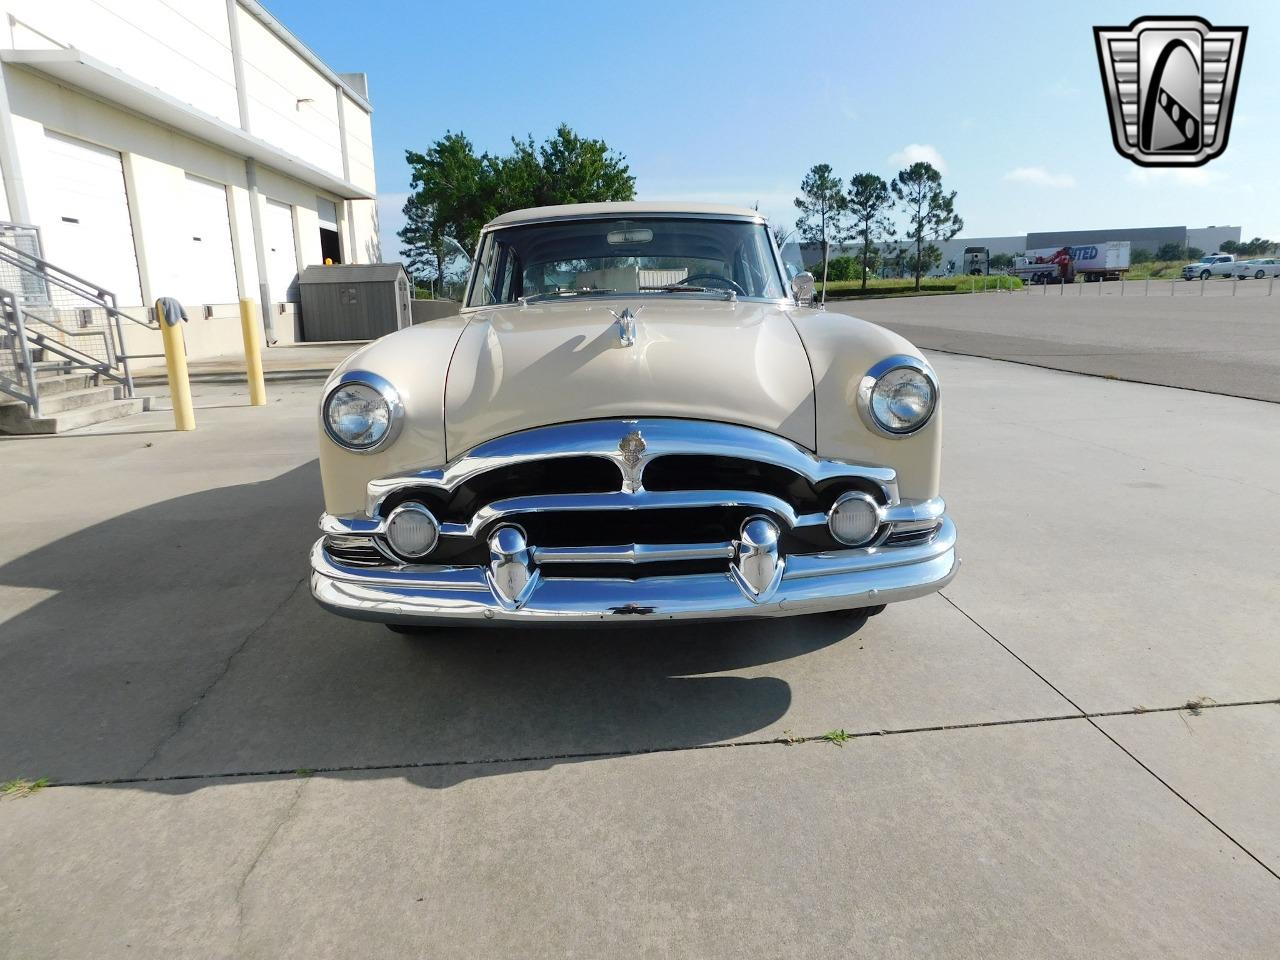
(185, 148)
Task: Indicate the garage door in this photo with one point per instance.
(84, 215)
(207, 268)
(282, 258)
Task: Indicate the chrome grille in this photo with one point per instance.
(632, 498)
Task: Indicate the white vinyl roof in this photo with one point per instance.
(630, 208)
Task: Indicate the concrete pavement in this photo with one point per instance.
(587, 794)
(1216, 343)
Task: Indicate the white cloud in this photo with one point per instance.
(916, 152)
(1182, 176)
(1040, 177)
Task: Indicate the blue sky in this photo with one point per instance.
(733, 102)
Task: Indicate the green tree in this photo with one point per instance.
(931, 213)
(1256, 247)
(1229, 246)
(821, 209)
(1140, 255)
(455, 192)
(868, 203)
(923, 260)
(1001, 261)
(580, 170)
(446, 189)
(1171, 251)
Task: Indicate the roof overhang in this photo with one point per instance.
(77, 69)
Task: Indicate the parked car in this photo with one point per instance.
(1212, 265)
(1258, 269)
(635, 418)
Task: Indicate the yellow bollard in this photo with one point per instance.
(251, 330)
(175, 361)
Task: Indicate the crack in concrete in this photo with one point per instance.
(1090, 719)
(266, 844)
(645, 751)
(226, 668)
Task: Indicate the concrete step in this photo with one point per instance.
(75, 418)
(51, 383)
(61, 402)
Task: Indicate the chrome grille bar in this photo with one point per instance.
(635, 553)
(662, 437)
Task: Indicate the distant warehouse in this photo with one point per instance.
(1151, 239)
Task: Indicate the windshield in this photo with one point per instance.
(658, 256)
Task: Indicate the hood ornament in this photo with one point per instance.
(632, 448)
(626, 326)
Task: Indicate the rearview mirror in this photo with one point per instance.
(802, 285)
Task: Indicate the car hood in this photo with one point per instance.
(517, 367)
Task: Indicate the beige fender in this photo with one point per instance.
(841, 350)
(416, 361)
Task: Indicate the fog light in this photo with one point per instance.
(412, 531)
(854, 519)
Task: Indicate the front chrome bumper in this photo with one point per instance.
(810, 583)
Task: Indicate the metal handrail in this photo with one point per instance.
(108, 346)
(51, 273)
(67, 280)
(9, 307)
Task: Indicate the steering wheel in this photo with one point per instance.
(715, 278)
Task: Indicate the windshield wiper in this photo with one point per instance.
(684, 288)
(552, 294)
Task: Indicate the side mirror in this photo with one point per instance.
(802, 285)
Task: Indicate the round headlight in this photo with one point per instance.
(898, 396)
(412, 531)
(362, 412)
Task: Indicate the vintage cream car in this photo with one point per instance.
(635, 418)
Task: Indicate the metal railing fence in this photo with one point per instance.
(55, 321)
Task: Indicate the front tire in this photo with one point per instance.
(1204, 274)
(1259, 275)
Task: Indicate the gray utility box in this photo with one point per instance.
(353, 301)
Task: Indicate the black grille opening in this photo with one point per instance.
(588, 528)
(681, 471)
(632, 571)
(525, 479)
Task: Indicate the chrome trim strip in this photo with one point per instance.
(662, 437)
(395, 403)
(492, 227)
(635, 553)
(910, 511)
(904, 516)
(620, 500)
(810, 583)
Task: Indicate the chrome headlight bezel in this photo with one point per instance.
(866, 386)
(390, 396)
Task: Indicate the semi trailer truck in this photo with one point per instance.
(1092, 261)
